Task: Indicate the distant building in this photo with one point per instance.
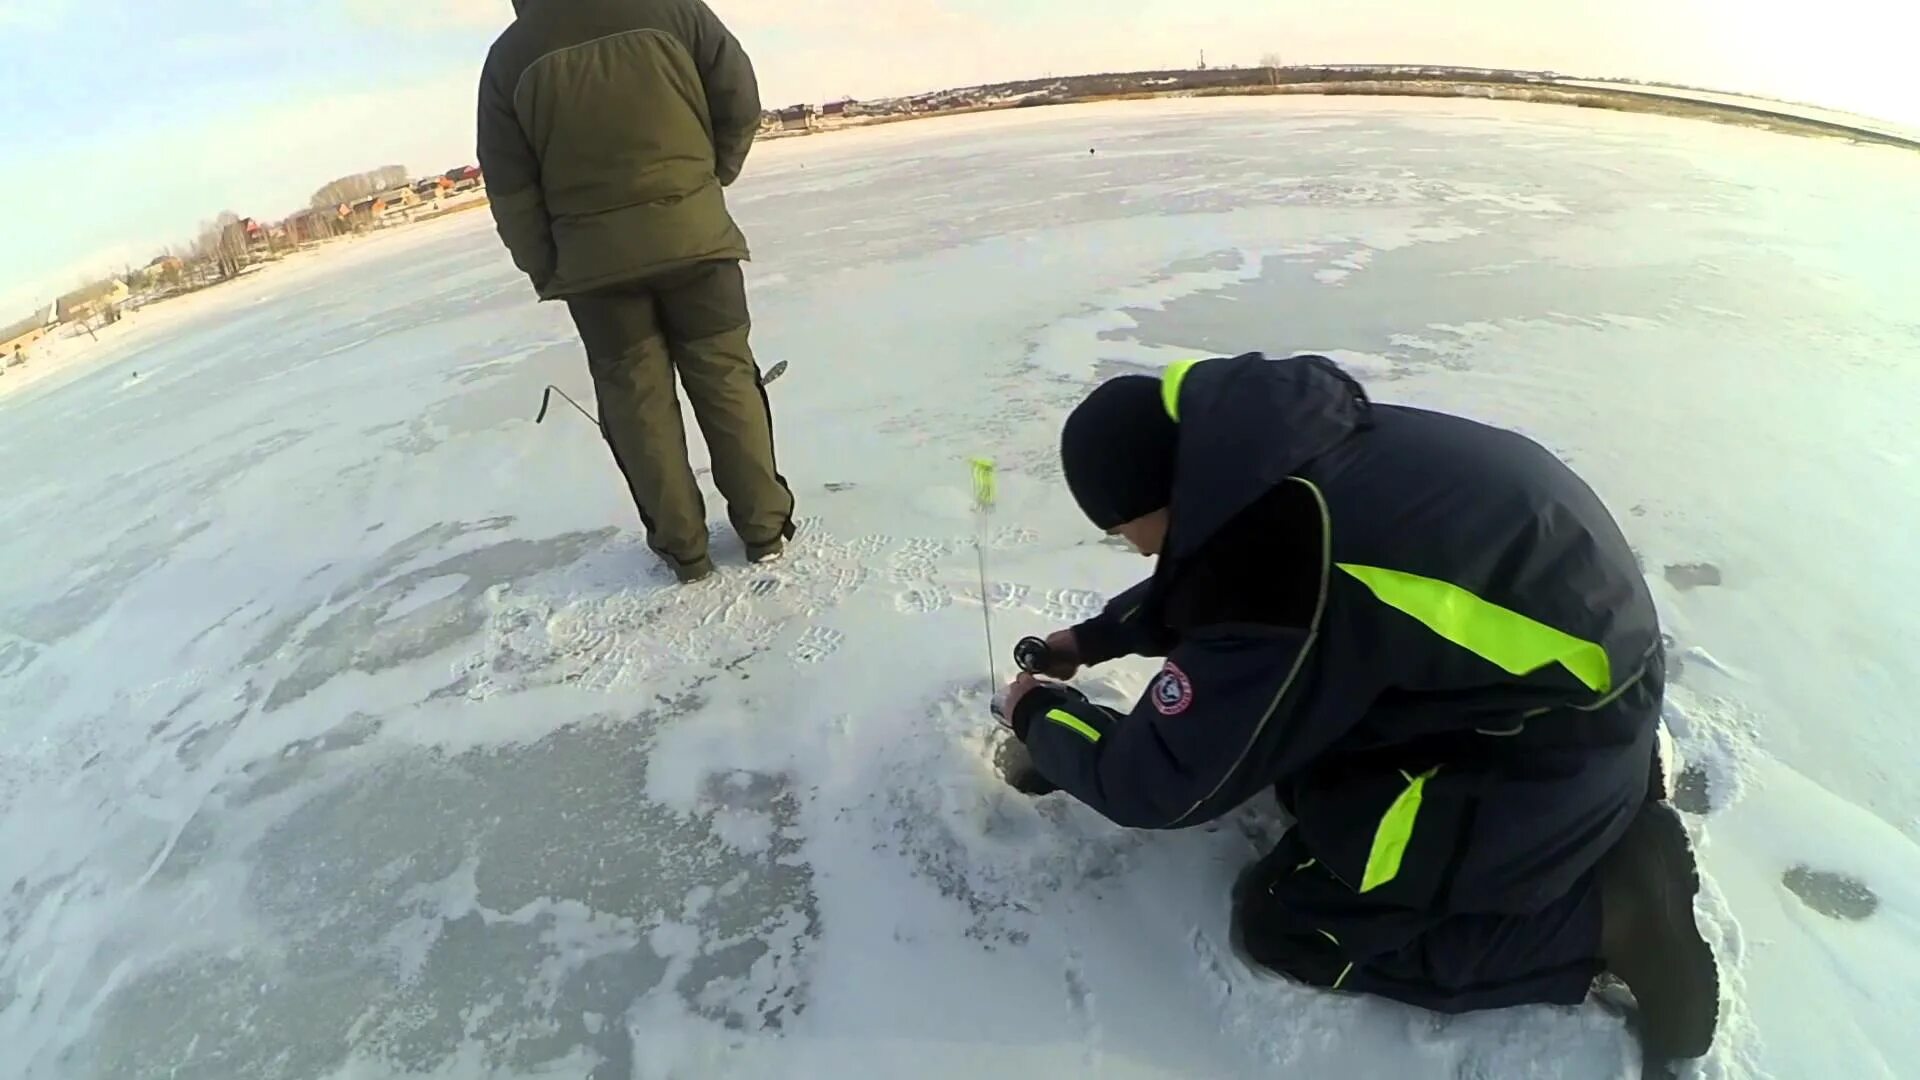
(363, 214)
(251, 236)
(837, 108)
(164, 272)
(432, 187)
(397, 204)
(21, 336)
(378, 211)
(464, 178)
(102, 297)
(798, 118)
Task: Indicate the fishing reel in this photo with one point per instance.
(1033, 655)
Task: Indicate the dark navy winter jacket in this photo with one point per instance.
(1427, 635)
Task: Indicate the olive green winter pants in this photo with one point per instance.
(692, 322)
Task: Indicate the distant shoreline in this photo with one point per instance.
(63, 356)
(1583, 94)
(67, 352)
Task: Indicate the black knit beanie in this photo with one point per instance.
(1118, 450)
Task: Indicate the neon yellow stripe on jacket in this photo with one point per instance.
(1504, 638)
(1395, 831)
(1074, 724)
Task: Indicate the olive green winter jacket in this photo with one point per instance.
(607, 129)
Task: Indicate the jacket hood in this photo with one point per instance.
(1246, 424)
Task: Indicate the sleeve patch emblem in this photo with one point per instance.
(1172, 691)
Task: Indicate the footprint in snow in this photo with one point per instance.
(923, 599)
(907, 571)
(1070, 605)
(1005, 597)
(847, 579)
(921, 548)
(816, 644)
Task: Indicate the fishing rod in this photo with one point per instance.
(546, 397)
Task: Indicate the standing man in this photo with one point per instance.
(607, 130)
(1431, 641)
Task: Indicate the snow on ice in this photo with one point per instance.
(351, 731)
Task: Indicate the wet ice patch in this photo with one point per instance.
(1835, 895)
(1361, 365)
(1073, 345)
(1697, 575)
(423, 594)
(501, 896)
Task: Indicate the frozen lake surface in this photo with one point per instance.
(348, 729)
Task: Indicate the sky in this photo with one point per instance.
(124, 123)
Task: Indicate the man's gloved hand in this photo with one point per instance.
(1009, 701)
(1007, 704)
(1063, 649)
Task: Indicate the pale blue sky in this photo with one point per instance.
(124, 122)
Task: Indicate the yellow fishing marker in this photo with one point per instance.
(986, 484)
(986, 489)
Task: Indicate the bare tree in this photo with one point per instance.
(105, 315)
(222, 244)
(1271, 61)
(351, 189)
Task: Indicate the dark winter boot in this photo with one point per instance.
(1649, 939)
(767, 552)
(689, 573)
